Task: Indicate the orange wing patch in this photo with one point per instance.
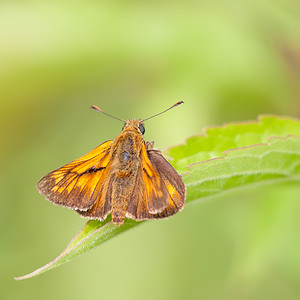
(74, 184)
(174, 195)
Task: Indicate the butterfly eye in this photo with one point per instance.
(142, 129)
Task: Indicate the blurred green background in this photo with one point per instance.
(228, 60)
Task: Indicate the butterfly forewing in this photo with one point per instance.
(156, 193)
(173, 190)
(74, 184)
(173, 182)
(170, 177)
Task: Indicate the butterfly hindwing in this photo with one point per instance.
(102, 206)
(75, 185)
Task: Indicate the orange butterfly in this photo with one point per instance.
(125, 177)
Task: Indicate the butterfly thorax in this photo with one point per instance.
(125, 151)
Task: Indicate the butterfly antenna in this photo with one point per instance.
(174, 105)
(98, 109)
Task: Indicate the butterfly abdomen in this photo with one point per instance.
(122, 190)
(118, 216)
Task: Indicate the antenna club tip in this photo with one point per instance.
(96, 108)
(178, 103)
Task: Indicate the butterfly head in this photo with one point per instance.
(134, 125)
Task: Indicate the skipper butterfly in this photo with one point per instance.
(125, 177)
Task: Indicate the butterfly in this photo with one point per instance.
(126, 177)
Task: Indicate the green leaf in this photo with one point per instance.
(277, 160)
(216, 140)
(221, 160)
